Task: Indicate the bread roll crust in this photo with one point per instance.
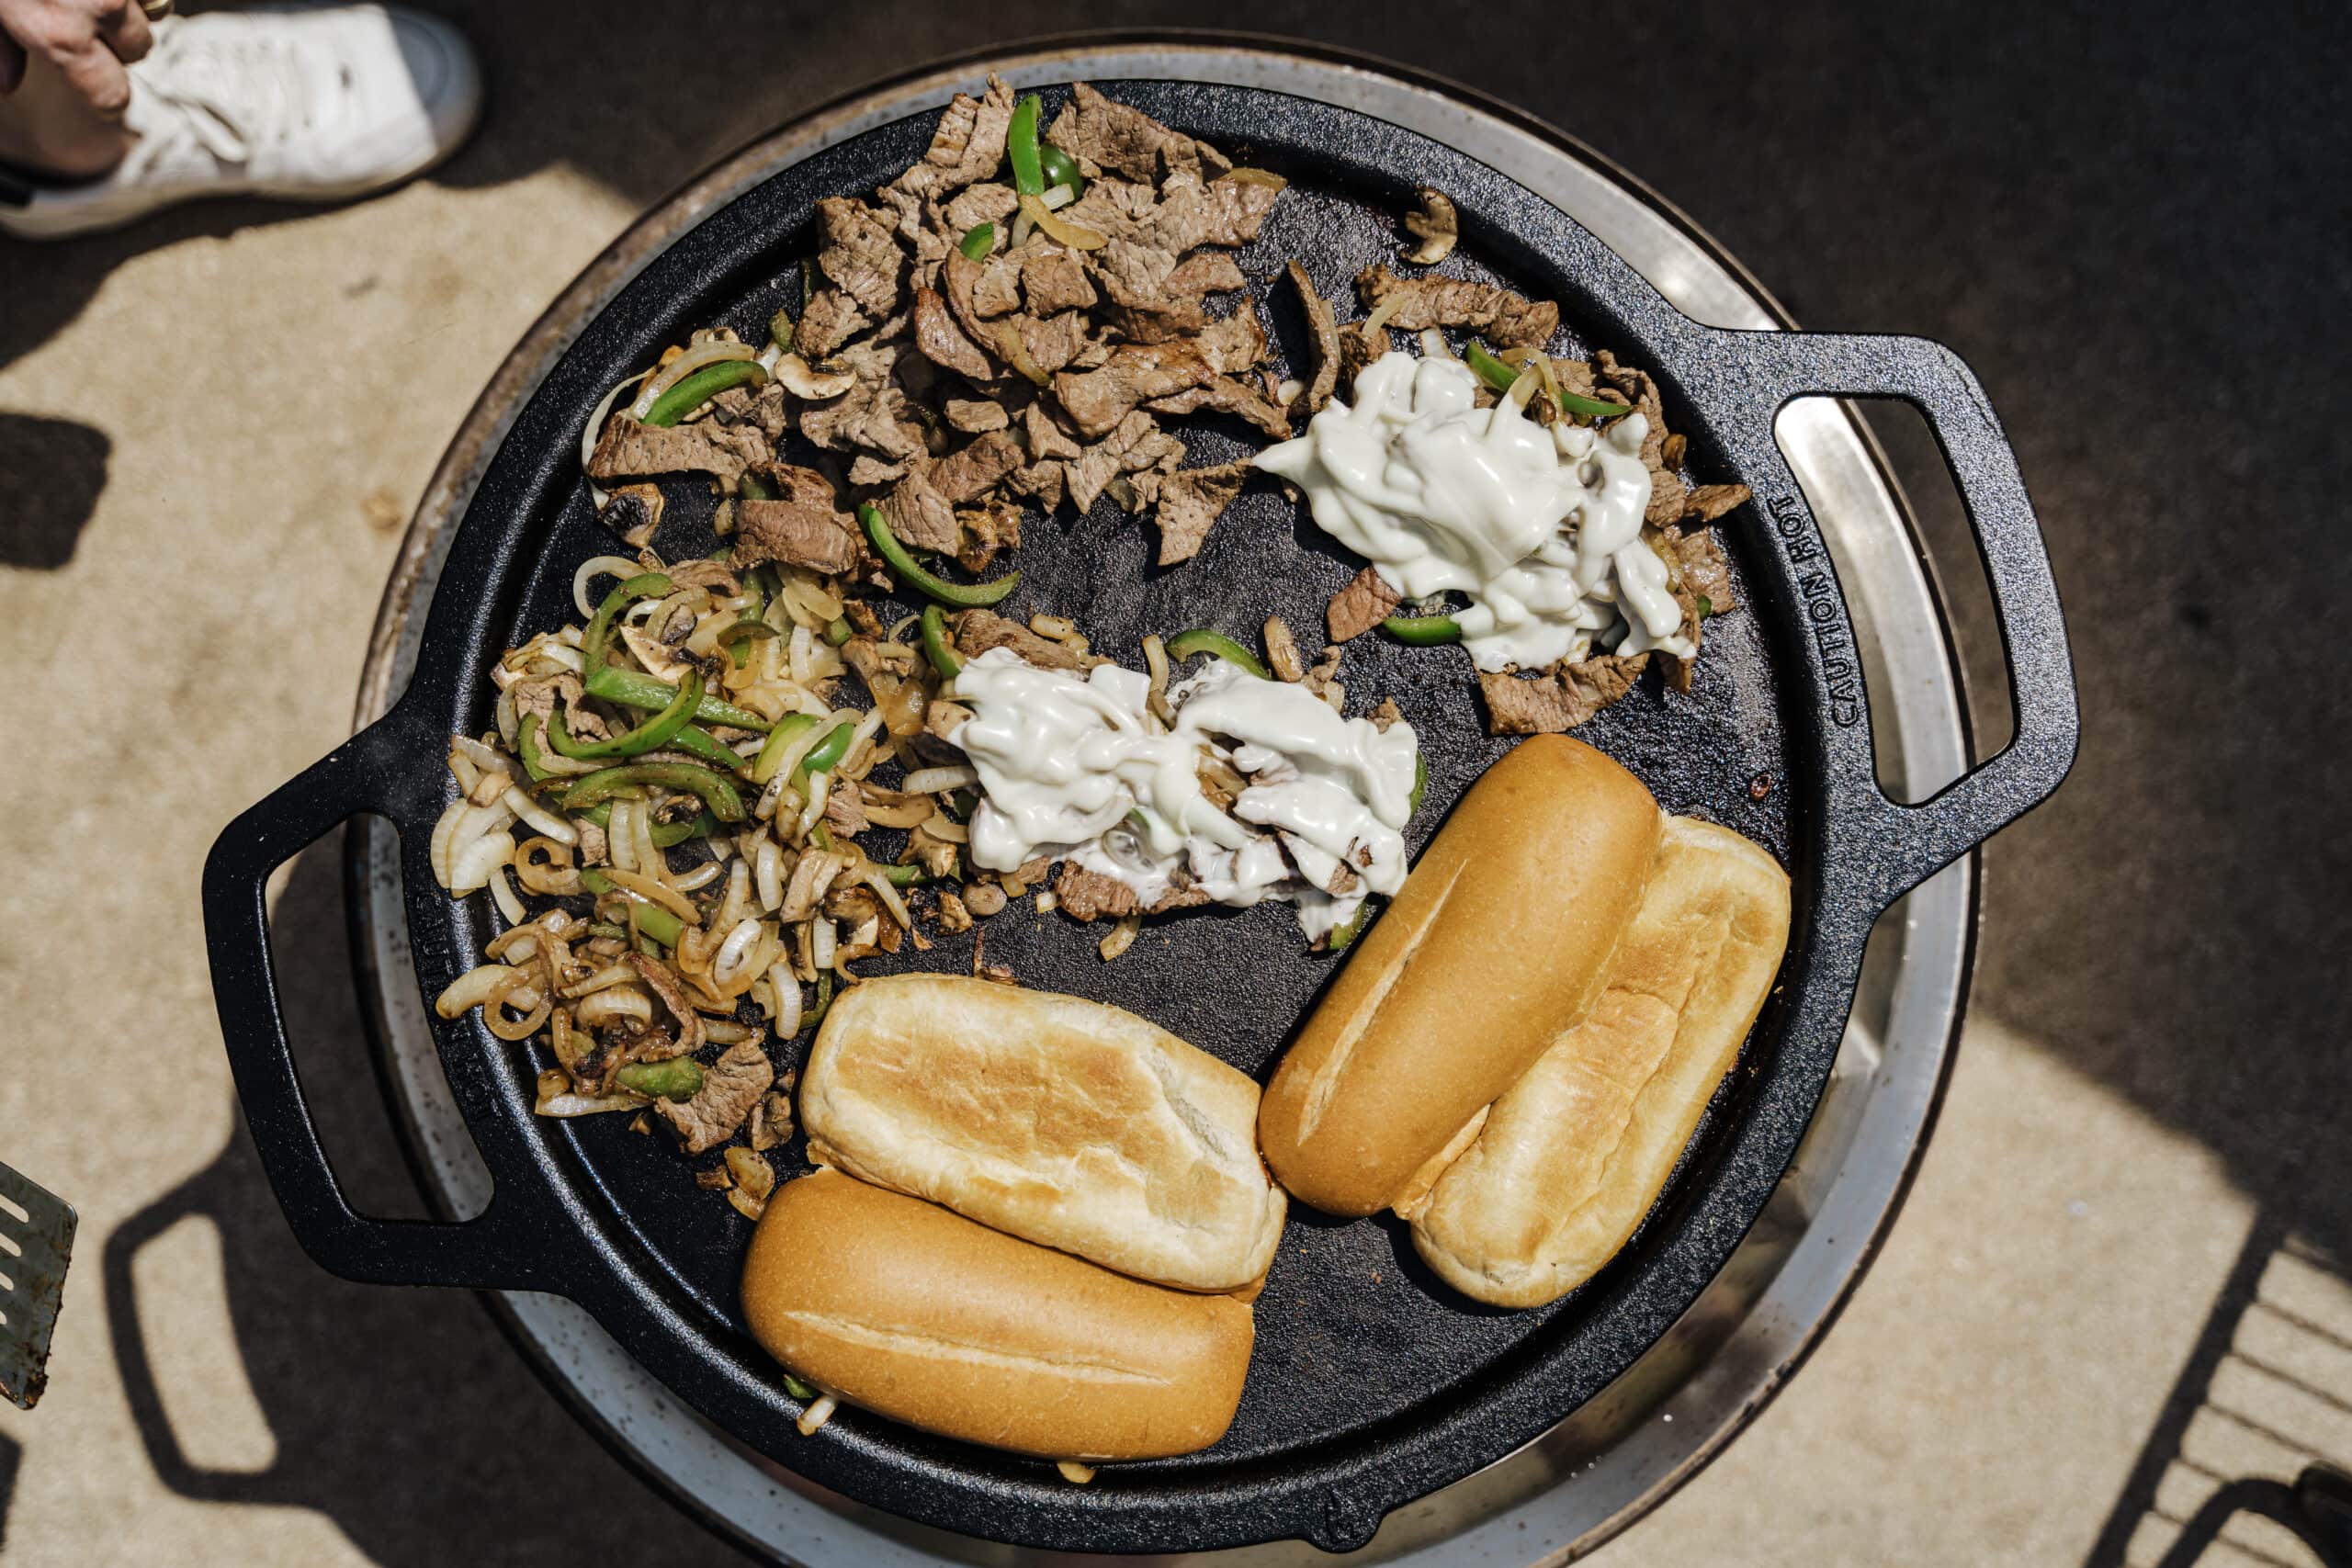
(903, 1308)
(1498, 942)
(1571, 1159)
(1061, 1121)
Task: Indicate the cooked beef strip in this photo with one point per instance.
(1136, 445)
(873, 413)
(943, 342)
(1089, 896)
(1707, 503)
(1096, 401)
(1116, 209)
(1054, 279)
(1547, 705)
(869, 472)
(919, 516)
(1704, 570)
(967, 145)
(806, 528)
(1044, 437)
(730, 1087)
(1157, 323)
(1356, 351)
(996, 289)
(627, 449)
(1191, 500)
(987, 529)
(1054, 341)
(1224, 212)
(987, 203)
(971, 471)
(860, 254)
(763, 409)
(977, 631)
(1235, 342)
(1114, 136)
(1363, 603)
(974, 415)
(1667, 494)
(1043, 483)
(1206, 272)
(845, 807)
(1225, 395)
(1505, 319)
(830, 320)
(1322, 323)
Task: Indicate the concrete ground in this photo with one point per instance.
(2114, 1318)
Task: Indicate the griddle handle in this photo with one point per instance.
(376, 771)
(1915, 841)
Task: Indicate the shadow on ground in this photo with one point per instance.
(404, 1415)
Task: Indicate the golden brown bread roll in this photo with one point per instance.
(1570, 1159)
(1498, 942)
(1061, 1121)
(901, 1307)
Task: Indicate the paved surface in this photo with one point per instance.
(2116, 1304)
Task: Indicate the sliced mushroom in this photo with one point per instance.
(805, 380)
(1435, 226)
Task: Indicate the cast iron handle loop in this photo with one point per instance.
(1921, 840)
(381, 770)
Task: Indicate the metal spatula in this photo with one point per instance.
(36, 1240)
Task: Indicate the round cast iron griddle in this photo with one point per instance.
(1371, 1384)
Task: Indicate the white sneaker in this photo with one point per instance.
(300, 102)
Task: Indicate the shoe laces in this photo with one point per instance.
(217, 94)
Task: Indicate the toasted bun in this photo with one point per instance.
(1571, 1159)
(1060, 1121)
(901, 1307)
(1497, 943)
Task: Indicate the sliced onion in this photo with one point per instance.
(504, 715)
(604, 979)
(472, 865)
(593, 568)
(1433, 345)
(1245, 175)
(785, 1016)
(521, 1028)
(1378, 321)
(821, 939)
(728, 965)
(932, 781)
(820, 1411)
(1015, 349)
(1070, 234)
(539, 816)
(820, 786)
(478, 987)
(1122, 937)
(502, 894)
(654, 892)
(698, 878)
(1058, 198)
(770, 875)
(614, 1002)
(686, 365)
(620, 843)
(874, 878)
(1022, 224)
(565, 1105)
(939, 827)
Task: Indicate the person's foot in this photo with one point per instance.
(295, 102)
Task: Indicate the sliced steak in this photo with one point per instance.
(943, 342)
(973, 470)
(1357, 350)
(627, 449)
(1138, 445)
(1707, 503)
(830, 320)
(1363, 603)
(1225, 395)
(1323, 325)
(920, 517)
(1548, 705)
(1191, 500)
(977, 631)
(975, 415)
(989, 203)
(1097, 401)
(1129, 142)
(860, 254)
(1053, 279)
(730, 1087)
(1507, 319)
(874, 414)
(1223, 213)
(805, 527)
(1084, 894)
(1235, 342)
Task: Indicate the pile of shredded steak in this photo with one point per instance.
(956, 375)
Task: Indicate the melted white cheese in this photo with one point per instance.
(1079, 770)
(1542, 530)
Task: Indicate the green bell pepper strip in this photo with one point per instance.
(1056, 167)
(1591, 408)
(977, 241)
(936, 646)
(894, 555)
(751, 487)
(1183, 644)
(780, 330)
(816, 1015)
(1492, 371)
(1706, 606)
(828, 751)
(771, 755)
(632, 690)
(527, 746)
(1345, 933)
(652, 920)
(839, 631)
(682, 777)
(1423, 631)
(694, 743)
(738, 638)
(650, 735)
(1021, 146)
(689, 392)
(820, 835)
(596, 642)
(678, 1078)
(1421, 783)
(599, 928)
(905, 875)
(798, 1390)
(664, 834)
